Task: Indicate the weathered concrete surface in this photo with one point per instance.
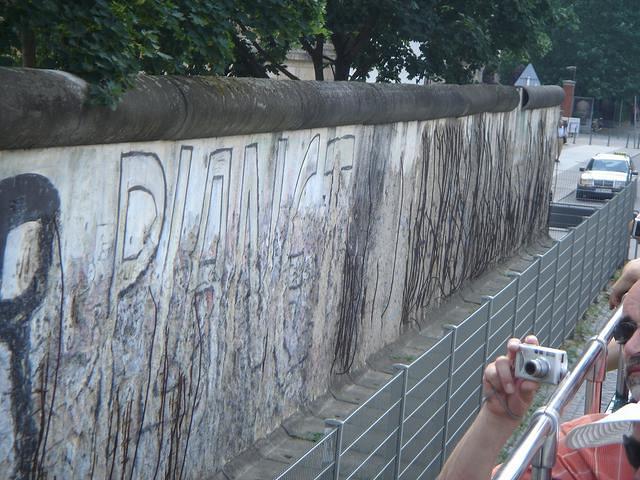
(45, 108)
(166, 304)
(541, 97)
(307, 427)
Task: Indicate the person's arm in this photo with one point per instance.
(507, 400)
(630, 275)
(476, 454)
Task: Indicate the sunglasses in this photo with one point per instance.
(624, 330)
(632, 449)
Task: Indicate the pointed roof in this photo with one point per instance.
(528, 77)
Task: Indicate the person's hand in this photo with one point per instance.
(505, 395)
(630, 275)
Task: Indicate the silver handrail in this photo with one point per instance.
(538, 445)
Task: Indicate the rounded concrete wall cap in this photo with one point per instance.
(44, 108)
(541, 97)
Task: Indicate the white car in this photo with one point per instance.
(604, 175)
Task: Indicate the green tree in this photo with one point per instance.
(603, 45)
(455, 37)
(107, 42)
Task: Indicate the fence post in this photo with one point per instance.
(594, 274)
(613, 213)
(339, 425)
(584, 254)
(616, 249)
(628, 207)
(606, 258)
(595, 251)
(599, 280)
(610, 247)
(447, 405)
(629, 210)
(535, 301)
(487, 332)
(619, 221)
(517, 276)
(555, 286)
(620, 214)
(566, 305)
(405, 381)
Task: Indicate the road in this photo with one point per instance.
(574, 156)
(567, 172)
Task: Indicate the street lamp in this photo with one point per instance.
(572, 69)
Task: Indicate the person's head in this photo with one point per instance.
(631, 316)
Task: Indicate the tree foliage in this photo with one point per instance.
(455, 37)
(107, 42)
(603, 44)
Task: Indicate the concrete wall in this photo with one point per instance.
(163, 304)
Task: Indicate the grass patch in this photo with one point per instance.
(406, 359)
(315, 437)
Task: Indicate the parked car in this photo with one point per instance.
(604, 175)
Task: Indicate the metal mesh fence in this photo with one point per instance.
(408, 428)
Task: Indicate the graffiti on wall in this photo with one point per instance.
(29, 207)
(195, 244)
(214, 287)
(476, 202)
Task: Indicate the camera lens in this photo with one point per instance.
(536, 368)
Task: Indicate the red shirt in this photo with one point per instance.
(608, 462)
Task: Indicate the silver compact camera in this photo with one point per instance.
(541, 364)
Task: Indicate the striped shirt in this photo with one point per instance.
(608, 462)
